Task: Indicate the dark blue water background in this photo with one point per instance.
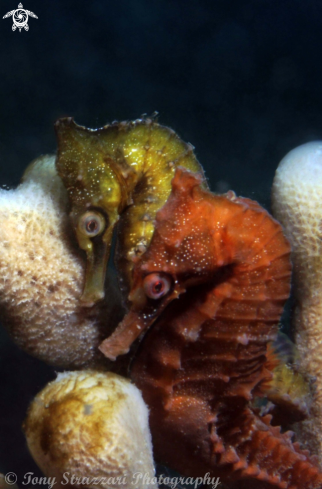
(240, 80)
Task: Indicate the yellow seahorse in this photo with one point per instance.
(120, 170)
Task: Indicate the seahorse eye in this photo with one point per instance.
(92, 224)
(157, 285)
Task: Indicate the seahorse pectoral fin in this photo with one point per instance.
(98, 253)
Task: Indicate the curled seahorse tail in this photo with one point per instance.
(268, 458)
(245, 451)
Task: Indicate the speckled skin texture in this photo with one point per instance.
(123, 170)
(205, 354)
(90, 424)
(297, 204)
(42, 273)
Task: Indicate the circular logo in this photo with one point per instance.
(20, 18)
(10, 478)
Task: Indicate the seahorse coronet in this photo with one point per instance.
(123, 170)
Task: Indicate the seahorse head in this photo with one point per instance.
(89, 165)
(181, 255)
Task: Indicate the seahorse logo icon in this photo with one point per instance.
(20, 18)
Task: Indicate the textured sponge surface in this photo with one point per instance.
(42, 273)
(94, 425)
(297, 204)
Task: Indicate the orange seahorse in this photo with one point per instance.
(206, 357)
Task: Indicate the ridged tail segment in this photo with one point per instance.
(205, 357)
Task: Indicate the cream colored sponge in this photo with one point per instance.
(91, 427)
(42, 275)
(297, 204)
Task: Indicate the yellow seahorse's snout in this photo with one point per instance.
(96, 199)
(98, 252)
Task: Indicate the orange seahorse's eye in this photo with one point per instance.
(91, 224)
(156, 285)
